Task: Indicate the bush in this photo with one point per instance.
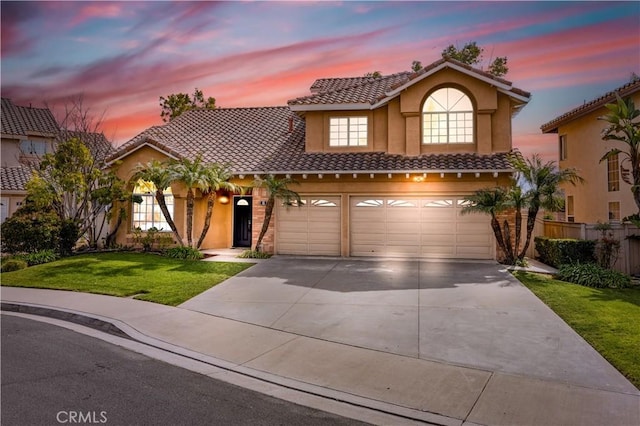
(69, 234)
(184, 252)
(253, 254)
(39, 257)
(556, 252)
(13, 264)
(592, 275)
(30, 231)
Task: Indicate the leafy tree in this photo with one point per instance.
(216, 177)
(177, 103)
(624, 126)
(471, 54)
(72, 182)
(541, 181)
(277, 188)
(416, 66)
(161, 176)
(374, 74)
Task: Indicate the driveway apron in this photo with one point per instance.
(473, 314)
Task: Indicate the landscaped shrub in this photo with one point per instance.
(69, 234)
(184, 252)
(592, 275)
(30, 230)
(254, 254)
(556, 252)
(13, 264)
(39, 257)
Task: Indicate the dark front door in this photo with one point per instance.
(242, 221)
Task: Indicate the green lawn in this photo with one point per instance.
(146, 276)
(609, 319)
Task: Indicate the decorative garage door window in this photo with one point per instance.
(439, 203)
(147, 214)
(323, 203)
(370, 203)
(401, 203)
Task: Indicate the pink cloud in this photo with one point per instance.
(96, 10)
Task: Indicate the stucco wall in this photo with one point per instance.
(585, 147)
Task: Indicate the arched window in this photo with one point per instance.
(147, 214)
(447, 117)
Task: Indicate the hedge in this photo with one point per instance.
(556, 252)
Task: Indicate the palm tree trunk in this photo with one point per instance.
(268, 211)
(531, 223)
(190, 202)
(497, 231)
(510, 259)
(518, 233)
(207, 218)
(167, 216)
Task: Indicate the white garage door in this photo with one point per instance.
(313, 228)
(418, 227)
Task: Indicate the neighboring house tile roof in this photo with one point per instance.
(360, 91)
(258, 140)
(14, 178)
(24, 121)
(588, 107)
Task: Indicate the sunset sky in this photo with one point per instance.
(121, 56)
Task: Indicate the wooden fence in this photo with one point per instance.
(629, 257)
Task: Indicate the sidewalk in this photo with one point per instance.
(418, 389)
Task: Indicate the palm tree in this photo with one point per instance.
(193, 174)
(542, 182)
(160, 175)
(276, 189)
(493, 201)
(216, 178)
(625, 127)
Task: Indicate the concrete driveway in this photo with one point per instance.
(463, 313)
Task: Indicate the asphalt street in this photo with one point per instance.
(51, 375)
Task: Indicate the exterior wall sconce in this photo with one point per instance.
(418, 178)
(223, 199)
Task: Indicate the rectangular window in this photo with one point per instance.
(613, 173)
(570, 214)
(30, 147)
(614, 210)
(563, 147)
(348, 131)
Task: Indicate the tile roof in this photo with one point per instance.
(369, 90)
(257, 140)
(14, 178)
(23, 121)
(588, 107)
(97, 143)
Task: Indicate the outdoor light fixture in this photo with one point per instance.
(223, 199)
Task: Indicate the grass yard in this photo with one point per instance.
(609, 319)
(146, 276)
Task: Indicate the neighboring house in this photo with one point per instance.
(605, 195)
(27, 134)
(383, 165)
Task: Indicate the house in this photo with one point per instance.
(27, 134)
(606, 193)
(383, 164)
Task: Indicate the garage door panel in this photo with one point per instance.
(411, 226)
(313, 228)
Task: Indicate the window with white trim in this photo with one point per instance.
(563, 147)
(447, 117)
(147, 214)
(348, 131)
(570, 209)
(613, 173)
(614, 210)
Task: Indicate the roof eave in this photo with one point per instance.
(330, 107)
(377, 172)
